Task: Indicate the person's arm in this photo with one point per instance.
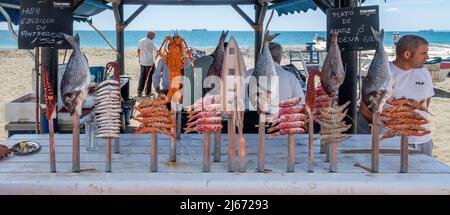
(139, 54)
(365, 112)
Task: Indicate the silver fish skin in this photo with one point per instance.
(265, 67)
(333, 73)
(76, 78)
(378, 84)
(215, 69)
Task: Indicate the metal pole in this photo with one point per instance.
(258, 32)
(52, 146)
(375, 143)
(291, 153)
(172, 143)
(217, 143)
(36, 69)
(348, 89)
(154, 153)
(76, 142)
(404, 154)
(231, 143)
(333, 160)
(108, 154)
(206, 153)
(120, 38)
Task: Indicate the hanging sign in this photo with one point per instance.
(43, 22)
(354, 27)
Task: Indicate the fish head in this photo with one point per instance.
(69, 101)
(376, 100)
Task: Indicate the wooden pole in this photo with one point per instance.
(242, 154)
(291, 153)
(154, 153)
(108, 154)
(375, 143)
(311, 141)
(36, 69)
(76, 142)
(404, 154)
(333, 160)
(231, 144)
(206, 153)
(52, 146)
(217, 143)
(117, 146)
(261, 143)
(172, 144)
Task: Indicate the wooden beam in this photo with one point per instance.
(244, 15)
(135, 14)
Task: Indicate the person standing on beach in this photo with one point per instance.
(413, 81)
(146, 52)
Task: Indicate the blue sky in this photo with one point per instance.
(395, 15)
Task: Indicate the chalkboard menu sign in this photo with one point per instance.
(43, 22)
(354, 27)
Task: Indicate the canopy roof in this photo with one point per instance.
(84, 9)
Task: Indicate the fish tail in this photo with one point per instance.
(379, 35)
(268, 37)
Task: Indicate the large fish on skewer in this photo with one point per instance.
(215, 69)
(378, 84)
(76, 78)
(333, 73)
(265, 67)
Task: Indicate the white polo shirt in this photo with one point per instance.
(413, 84)
(289, 87)
(148, 50)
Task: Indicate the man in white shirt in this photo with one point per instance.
(289, 87)
(146, 52)
(413, 81)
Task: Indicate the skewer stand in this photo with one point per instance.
(231, 143)
(154, 153)
(404, 154)
(76, 142)
(51, 135)
(261, 142)
(291, 153)
(375, 143)
(206, 153)
(217, 143)
(108, 154)
(311, 141)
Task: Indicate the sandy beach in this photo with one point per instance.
(16, 69)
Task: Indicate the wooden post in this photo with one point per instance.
(333, 158)
(178, 120)
(36, 68)
(117, 146)
(76, 142)
(206, 153)
(154, 153)
(172, 144)
(327, 150)
(108, 154)
(231, 144)
(217, 143)
(375, 143)
(311, 141)
(242, 154)
(291, 153)
(404, 154)
(261, 143)
(52, 146)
